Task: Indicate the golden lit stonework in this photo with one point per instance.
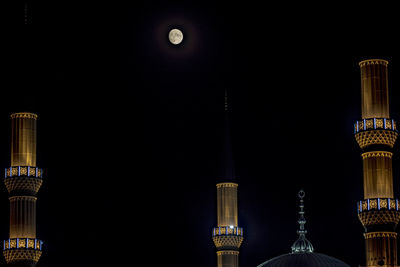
(227, 237)
(24, 115)
(373, 62)
(376, 135)
(228, 252)
(380, 211)
(377, 154)
(23, 181)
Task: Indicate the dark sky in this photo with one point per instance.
(130, 128)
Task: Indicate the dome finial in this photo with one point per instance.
(302, 245)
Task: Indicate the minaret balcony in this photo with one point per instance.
(23, 180)
(376, 131)
(378, 204)
(378, 211)
(227, 237)
(227, 230)
(375, 124)
(22, 251)
(26, 171)
(18, 243)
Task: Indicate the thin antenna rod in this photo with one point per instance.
(26, 14)
(226, 100)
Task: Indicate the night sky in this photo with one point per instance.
(131, 127)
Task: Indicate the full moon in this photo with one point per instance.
(175, 36)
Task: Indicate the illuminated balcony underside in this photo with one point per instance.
(228, 237)
(381, 217)
(23, 185)
(378, 211)
(376, 137)
(228, 242)
(23, 257)
(25, 250)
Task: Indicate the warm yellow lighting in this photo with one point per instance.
(373, 62)
(23, 139)
(23, 180)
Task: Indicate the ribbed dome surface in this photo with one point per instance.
(304, 260)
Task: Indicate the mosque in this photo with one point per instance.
(378, 212)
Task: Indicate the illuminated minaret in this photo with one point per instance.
(376, 134)
(23, 180)
(227, 236)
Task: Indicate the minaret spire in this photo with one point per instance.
(26, 13)
(228, 170)
(226, 100)
(302, 245)
(227, 236)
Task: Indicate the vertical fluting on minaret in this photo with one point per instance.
(23, 140)
(374, 89)
(23, 180)
(227, 210)
(376, 134)
(227, 236)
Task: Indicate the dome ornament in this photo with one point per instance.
(301, 194)
(302, 245)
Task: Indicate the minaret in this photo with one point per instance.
(376, 134)
(23, 180)
(227, 236)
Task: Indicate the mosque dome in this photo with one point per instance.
(302, 250)
(304, 259)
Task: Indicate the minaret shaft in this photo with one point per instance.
(23, 153)
(378, 177)
(374, 89)
(376, 134)
(229, 258)
(23, 140)
(381, 246)
(227, 236)
(23, 217)
(227, 211)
